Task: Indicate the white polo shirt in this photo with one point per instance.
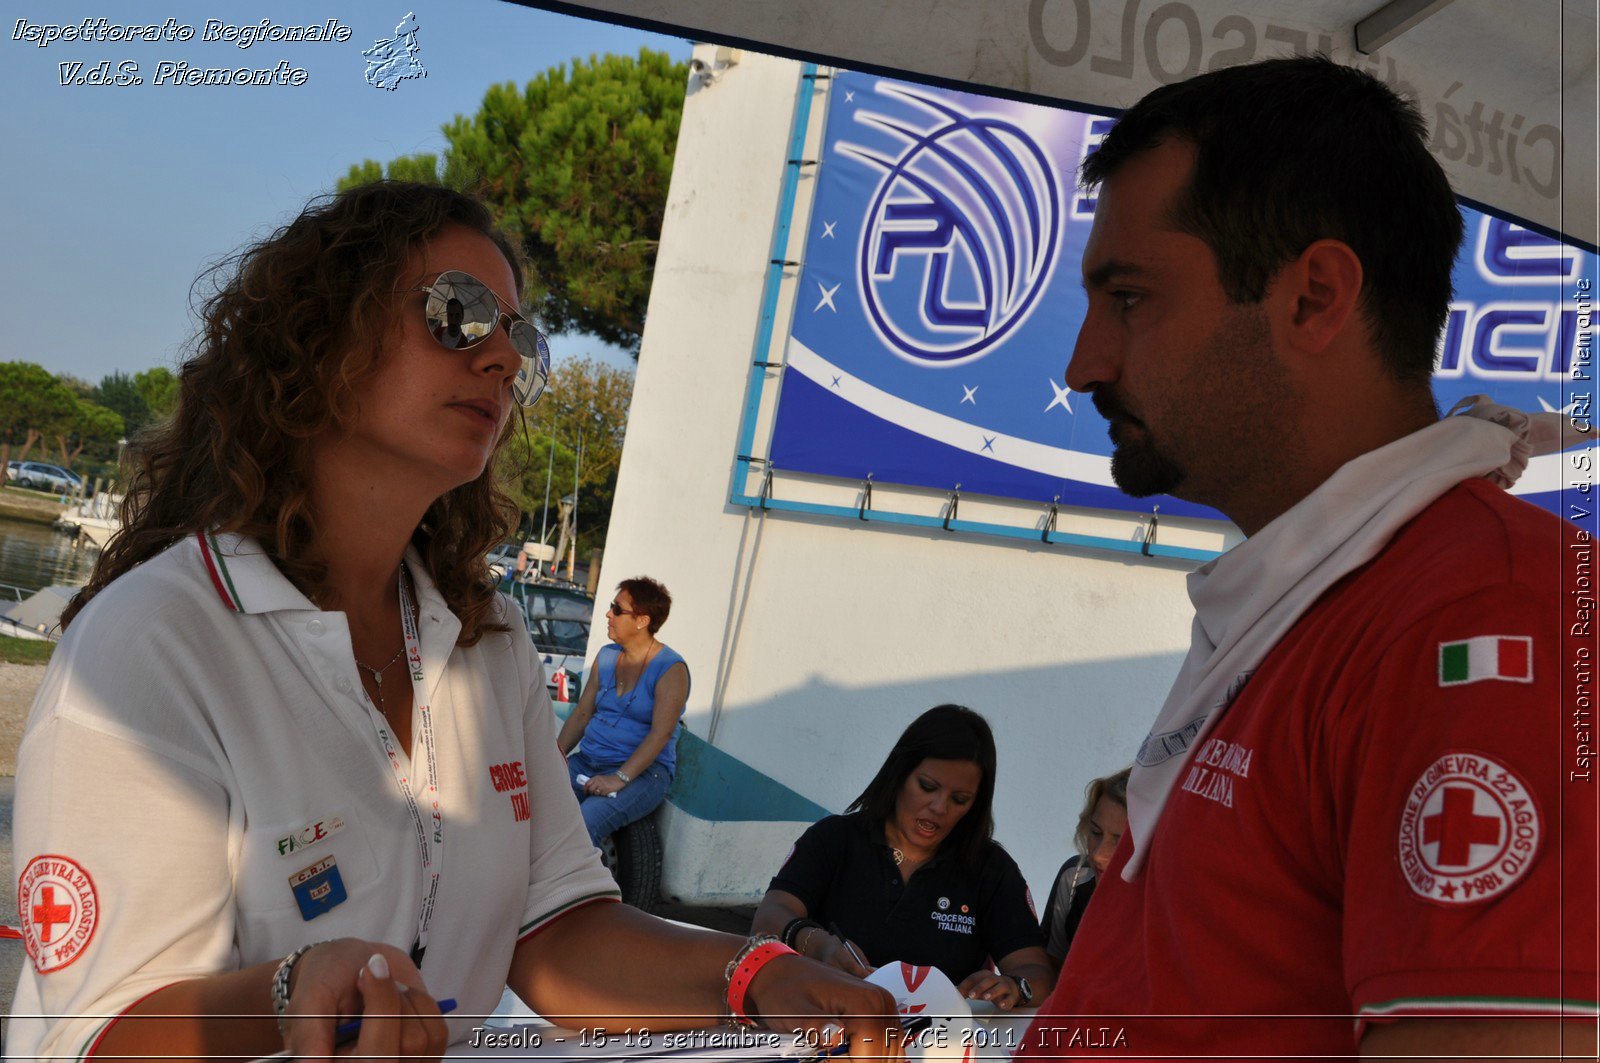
(201, 788)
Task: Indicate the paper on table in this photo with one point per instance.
(926, 992)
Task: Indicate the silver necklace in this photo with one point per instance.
(633, 690)
(377, 673)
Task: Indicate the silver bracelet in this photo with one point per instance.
(280, 983)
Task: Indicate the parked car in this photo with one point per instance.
(558, 618)
(42, 477)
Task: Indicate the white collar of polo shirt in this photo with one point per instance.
(249, 582)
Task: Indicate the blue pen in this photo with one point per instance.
(348, 1031)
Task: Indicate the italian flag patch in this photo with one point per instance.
(1504, 657)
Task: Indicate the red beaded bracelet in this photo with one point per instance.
(746, 966)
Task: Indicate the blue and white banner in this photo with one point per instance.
(940, 300)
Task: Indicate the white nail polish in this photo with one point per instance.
(378, 965)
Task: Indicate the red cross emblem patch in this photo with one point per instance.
(57, 906)
(1469, 830)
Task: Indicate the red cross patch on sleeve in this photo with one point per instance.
(58, 908)
(1469, 830)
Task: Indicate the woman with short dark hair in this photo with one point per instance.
(911, 872)
(627, 716)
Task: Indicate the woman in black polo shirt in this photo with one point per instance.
(911, 872)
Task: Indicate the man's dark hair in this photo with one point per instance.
(944, 732)
(1291, 151)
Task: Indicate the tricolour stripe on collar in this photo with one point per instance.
(217, 569)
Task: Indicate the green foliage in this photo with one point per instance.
(77, 385)
(585, 400)
(58, 411)
(159, 389)
(361, 173)
(423, 168)
(94, 426)
(523, 465)
(118, 392)
(576, 167)
(33, 403)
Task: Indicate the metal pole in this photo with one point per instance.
(544, 515)
(572, 558)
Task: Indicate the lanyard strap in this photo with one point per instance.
(430, 842)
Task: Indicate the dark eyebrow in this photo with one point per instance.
(1102, 274)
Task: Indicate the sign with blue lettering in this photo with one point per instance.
(1521, 330)
(940, 299)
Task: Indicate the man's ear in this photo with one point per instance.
(1320, 294)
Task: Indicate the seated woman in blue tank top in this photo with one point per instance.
(627, 715)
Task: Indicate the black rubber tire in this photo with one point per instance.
(634, 856)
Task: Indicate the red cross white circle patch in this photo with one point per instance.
(1469, 831)
(58, 909)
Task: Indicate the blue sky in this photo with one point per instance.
(116, 197)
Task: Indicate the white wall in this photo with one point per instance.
(829, 637)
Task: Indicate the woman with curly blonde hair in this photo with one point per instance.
(1101, 824)
(293, 762)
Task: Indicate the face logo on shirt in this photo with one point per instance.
(58, 907)
(1469, 830)
(309, 835)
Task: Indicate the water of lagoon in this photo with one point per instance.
(36, 555)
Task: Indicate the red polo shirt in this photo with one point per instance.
(1392, 818)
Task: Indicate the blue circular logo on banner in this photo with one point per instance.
(960, 236)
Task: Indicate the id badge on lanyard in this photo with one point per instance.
(427, 817)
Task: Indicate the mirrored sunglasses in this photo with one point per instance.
(462, 312)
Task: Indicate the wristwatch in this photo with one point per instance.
(624, 776)
(1027, 992)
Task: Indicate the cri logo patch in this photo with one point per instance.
(1469, 830)
(58, 907)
